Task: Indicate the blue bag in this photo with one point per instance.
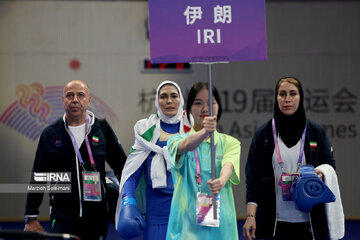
(308, 190)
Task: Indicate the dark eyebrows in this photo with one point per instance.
(291, 91)
(171, 94)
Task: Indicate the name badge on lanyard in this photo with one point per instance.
(204, 210)
(91, 179)
(204, 206)
(285, 182)
(92, 186)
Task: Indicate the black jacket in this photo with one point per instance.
(55, 153)
(260, 180)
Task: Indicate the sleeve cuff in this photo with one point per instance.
(254, 203)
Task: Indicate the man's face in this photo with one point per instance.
(76, 101)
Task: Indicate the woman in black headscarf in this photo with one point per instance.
(271, 213)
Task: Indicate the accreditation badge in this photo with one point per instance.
(92, 186)
(204, 210)
(286, 181)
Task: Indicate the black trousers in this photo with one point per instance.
(87, 227)
(292, 231)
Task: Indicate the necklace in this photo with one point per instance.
(164, 136)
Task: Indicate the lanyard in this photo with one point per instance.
(78, 154)
(198, 170)
(281, 163)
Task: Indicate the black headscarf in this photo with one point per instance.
(290, 127)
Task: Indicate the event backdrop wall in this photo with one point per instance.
(45, 44)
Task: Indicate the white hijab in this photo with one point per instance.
(173, 119)
(161, 160)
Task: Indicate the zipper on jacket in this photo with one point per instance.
(79, 186)
(77, 166)
(275, 226)
(311, 227)
(78, 177)
(276, 217)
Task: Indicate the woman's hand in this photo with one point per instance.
(209, 124)
(249, 228)
(250, 223)
(195, 139)
(216, 185)
(320, 174)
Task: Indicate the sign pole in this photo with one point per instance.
(212, 144)
(213, 169)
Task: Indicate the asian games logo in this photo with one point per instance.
(38, 106)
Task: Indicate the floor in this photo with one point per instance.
(352, 229)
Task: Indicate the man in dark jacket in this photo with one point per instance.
(78, 143)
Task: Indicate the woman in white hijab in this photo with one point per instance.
(147, 168)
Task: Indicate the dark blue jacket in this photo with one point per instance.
(260, 179)
(55, 153)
